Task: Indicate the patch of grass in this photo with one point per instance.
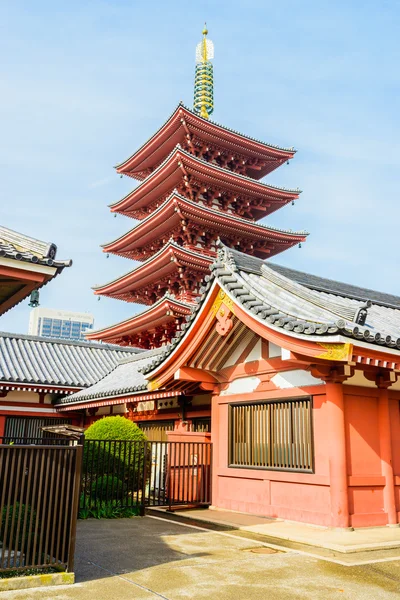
(25, 572)
(108, 510)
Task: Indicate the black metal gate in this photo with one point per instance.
(144, 474)
(39, 497)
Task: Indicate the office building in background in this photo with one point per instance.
(60, 324)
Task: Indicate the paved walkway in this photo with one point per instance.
(359, 540)
(149, 558)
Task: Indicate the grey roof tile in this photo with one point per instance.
(299, 302)
(26, 359)
(323, 284)
(125, 378)
(315, 282)
(282, 297)
(17, 246)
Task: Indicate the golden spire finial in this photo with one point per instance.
(203, 82)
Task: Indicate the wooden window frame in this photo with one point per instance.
(257, 456)
(196, 421)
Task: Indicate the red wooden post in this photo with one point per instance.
(337, 459)
(385, 441)
(2, 425)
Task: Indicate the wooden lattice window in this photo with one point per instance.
(20, 428)
(272, 435)
(202, 425)
(156, 431)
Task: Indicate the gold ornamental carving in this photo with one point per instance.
(222, 309)
(336, 351)
(153, 385)
(222, 298)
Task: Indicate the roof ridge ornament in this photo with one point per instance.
(225, 256)
(203, 103)
(361, 315)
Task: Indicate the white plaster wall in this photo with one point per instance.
(20, 396)
(242, 385)
(256, 353)
(274, 351)
(295, 378)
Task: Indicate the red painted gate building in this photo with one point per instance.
(295, 375)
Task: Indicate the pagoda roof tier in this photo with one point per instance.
(202, 180)
(174, 269)
(150, 328)
(203, 137)
(198, 227)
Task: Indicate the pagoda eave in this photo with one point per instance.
(171, 268)
(183, 127)
(188, 221)
(152, 327)
(195, 176)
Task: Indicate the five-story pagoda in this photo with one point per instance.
(199, 182)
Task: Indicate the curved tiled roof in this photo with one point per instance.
(212, 211)
(296, 304)
(226, 172)
(171, 245)
(303, 304)
(17, 246)
(125, 378)
(208, 121)
(330, 286)
(167, 297)
(45, 361)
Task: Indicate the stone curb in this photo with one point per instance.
(34, 581)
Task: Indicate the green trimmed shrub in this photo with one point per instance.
(115, 428)
(103, 458)
(19, 511)
(107, 487)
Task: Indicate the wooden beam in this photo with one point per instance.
(198, 375)
(16, 298)
(18, 273)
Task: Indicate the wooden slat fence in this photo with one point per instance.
(39, 497)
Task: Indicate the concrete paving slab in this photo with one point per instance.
(359, 540)
(113, 588)
(149, 559)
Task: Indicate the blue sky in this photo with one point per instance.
(85, 83)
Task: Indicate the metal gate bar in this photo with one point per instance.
(39, 498)
(129, 473)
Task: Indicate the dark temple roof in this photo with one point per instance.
(125, 378)
(33, 360)
(252, 264)
(298, 302)
(18, 246)
(291, 300)
(16, 250)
